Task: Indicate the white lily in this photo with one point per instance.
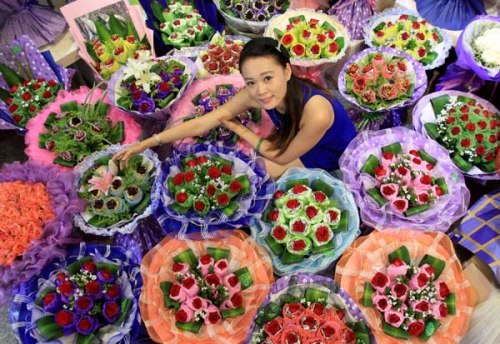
(136, 68)
(146, 80)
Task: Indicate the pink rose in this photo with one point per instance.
(369, 96)
(185, 314)
(197, 303)
(403, 174)
(402, 84)
(399, 205)
(427, 269)
(359, 85)
(397, 268)
(440, 310)
(423, 182)
(387, 160)
(381, 302)
(205, 263)
(394, 318)
(232, 283)
(400, 290)
(190, 286)
(177, 292)
(221, 267)
(423, 197)
(378, 61)
(213, 316)
(421, 306)
(180, 268)
(370, 72)
(436, 191)
(379, 281)
(388, 71)
(419, 280)
(388, 91)
(442, 290)
(389, 191)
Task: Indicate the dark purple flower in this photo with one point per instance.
(137, 97)
(113, 292)
(60, 278)
(66, 289)
(146, 105)
(86, 325)
(52, 302)
(93, 289)
(83, 304)
(66, 320)
(164, 89)
(164, 76)
(111, 311)
(177, 71)
(88, 266)
(176, 81)
(105, 276)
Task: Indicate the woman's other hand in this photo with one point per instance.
(126, 153)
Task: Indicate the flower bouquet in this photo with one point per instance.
(77, 124)
(108, 33)
(477, 48)
(180, 24)
(206, 95)
(309, 223)
(245, 16)
(400, 179)
(204, 290)
(30, 80)
(404, 30)
(354, 15)
(37, 203)
(116, 198)
(149, 87)
(90, 295)
(466, 125)
(306, 308)
(382, 79)
(413, 280)
(204, 187)
(311, 38)
(221, 56)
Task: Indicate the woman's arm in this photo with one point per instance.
(239, 103)
(318, 118)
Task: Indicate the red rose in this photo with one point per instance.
(439, 191)
(398, 262)
(64, 318)
(52, 83)
(279, 232)
(235, 186)
(415, 25)
(482, 124)
(292, 204)
(13, 108)
(298, 49)
(278, 194)
(379, 280)
(388, 155)
(83, 302)
(322, 233)
(212, 280)
(394, 318)
(429, 269)
(400, 289)
(178, 179)
(311, 212)
(429, 166)
(211, 190)
(298, 189)
(490, 156)
(333, 215)
(471, 126)
(287, 39)
(66, 288)
(388, 190)
(206, 259)
(181, 316)
(113, 291)
(455, 130)
(340, 313)
(319, 196)
(92, 288)
(416, 328)
(492, 139)
(223, 199)
(47, 94)
(465, 143)
(177, 267)
(226, 169)
(422, 279)
(32, 108)
(13, 89)
(273, 215)
(233, 281)
(479, 138)
(181, 197)
(175, 290)
(273, 327)
(422, 306)
(214, 317)
(298, 226)
(380, 33)
(423, 198)
(417, 161)
(213, 172)
(318, 309)
(443, 310)
(26, 96)
(402, 170)
(443, 290)
(188, 282)
(380, 171)
(237, 300)
(480, 150)
(298, 245)
(450, 120)
(382, 304)
(192, 163)
(199, 206)
(464, 109)
(189, 176)
(164, 87)
(349, 335)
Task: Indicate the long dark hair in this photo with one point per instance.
(266, 46)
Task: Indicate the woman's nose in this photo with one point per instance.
(261, 88)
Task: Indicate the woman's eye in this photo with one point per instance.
(268, 78)
(250, 83)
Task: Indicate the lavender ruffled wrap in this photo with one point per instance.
(56, 233)
(195, 227)
(444, 212)
(338, 296)
(353, 14)
(420, 77)
(160, 114)
(27, 17)
(22, 54)
(465, 53)
(423, 107)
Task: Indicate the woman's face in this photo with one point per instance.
(266, 80)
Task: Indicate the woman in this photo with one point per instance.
(312, 128)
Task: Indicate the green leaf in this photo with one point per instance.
(10, 76)
(49, 328)
(4, 94)
(439, 103)
(117, 26)
(69, 106)
(118, 133)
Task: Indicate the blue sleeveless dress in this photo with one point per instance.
(326, 153)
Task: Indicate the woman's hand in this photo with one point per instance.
(126, 153)
(233, 125)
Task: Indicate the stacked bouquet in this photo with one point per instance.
(466, 125)
(37, 204)
(310, 37)
(404, 179)
(310, 221)
(150, 87)
(222, 55)
(116, 197)
(205, 186)
(32, 81)
(116, 42)
(413, 280)
(259, 11)
(304, 308)
(76, 125)
(406, 31)
(400, 179)
(411, 298)
(181, 25)
(477, 49)
(204, 290)
(90, 295)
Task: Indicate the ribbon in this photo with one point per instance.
(315, 74)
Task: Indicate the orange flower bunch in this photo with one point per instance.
(24, 209)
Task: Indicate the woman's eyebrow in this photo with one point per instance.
(266, 72)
